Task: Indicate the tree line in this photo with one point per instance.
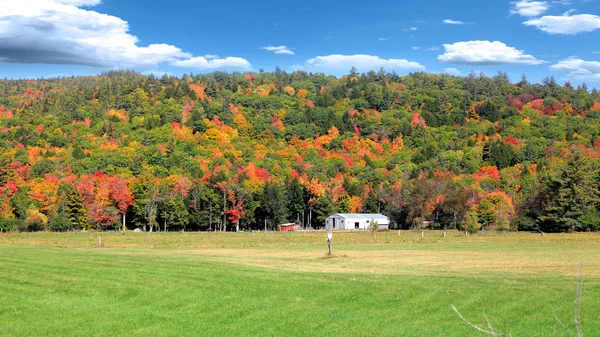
(236, 151)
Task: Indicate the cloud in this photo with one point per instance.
(279, 50)
(383, 39)
(453, 22)
(452, 71)
(67, 32)
(566, 24)
(411, 29)
(433, 48)
(485, 53)
(416, 48)
(578, 69)
(202, 63)
(332, 63)
(529, 8)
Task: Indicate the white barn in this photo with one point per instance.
(342, 221)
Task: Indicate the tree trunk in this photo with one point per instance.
(265, 224)
(454, 219)
(165, 225)
(237, 225)
(224, 210)
(124, 227)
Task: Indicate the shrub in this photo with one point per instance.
(12, 225)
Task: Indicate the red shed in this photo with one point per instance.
(288, 227)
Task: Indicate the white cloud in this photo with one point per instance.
(485, 53)
(529, 8)
(67, 32)
(452, 71)
(210, 56)
(80, 3)
(416, 48)
(453, 22)
(433, 48)
(411, 29)
(566, 24)
(578, 69)
(202, 63)
(383, 39)
(279, 50)
(363, 63)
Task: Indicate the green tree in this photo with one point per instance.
(74, 208)
(295, 199)
(570, 194)
(470, 223)
(273, 204)
(174, 213)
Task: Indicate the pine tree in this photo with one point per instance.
(295, 197)
(74, 208)
(569, 194)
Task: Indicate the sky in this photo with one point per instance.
(52, 38)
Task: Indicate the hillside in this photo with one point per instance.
(253, 150)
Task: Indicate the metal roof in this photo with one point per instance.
(362, 216)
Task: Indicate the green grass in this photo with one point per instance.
(275, 285)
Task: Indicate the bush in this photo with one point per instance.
(525, 223)
(60, 223)
(12, 225)
(590, 221)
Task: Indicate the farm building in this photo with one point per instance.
(288, 227)
(343, 221)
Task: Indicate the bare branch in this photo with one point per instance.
(577, 310)
(488, 323)
(561, 324)
(491, 333)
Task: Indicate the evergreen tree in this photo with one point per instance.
(75, 211)
(570, 194)
(273, 204)
(295, 198)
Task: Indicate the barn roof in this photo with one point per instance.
(362, 216)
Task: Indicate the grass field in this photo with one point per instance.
(275, 284)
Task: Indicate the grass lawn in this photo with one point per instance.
(271, 284)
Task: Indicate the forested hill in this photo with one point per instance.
(208, 151)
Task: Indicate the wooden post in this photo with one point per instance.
(99, 241)
(422, 234)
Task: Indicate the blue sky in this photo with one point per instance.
(44, 38)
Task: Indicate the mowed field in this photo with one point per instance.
(277, 284)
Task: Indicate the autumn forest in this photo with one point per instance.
(252, 151)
